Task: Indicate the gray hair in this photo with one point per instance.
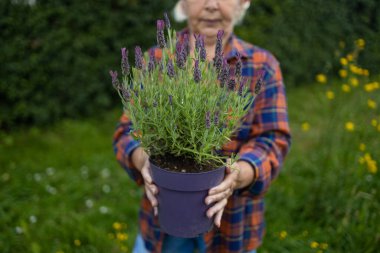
(180, 16)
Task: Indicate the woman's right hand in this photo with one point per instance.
(141, 161)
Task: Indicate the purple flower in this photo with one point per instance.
(203, 54)
(167, 21)
(138, 58)
(160, 34)
(216, 118)
(238, 66)
(125, 68)
(218, 63)
(259, 83)
(115, 80)
(197, 42)
(208, 122)
(151, 63)
(224, 74)
(197, 72)
(161, 66)
(170, 99)
(231, 84)
(218, 47)
(180, 55)
(170, 69)
(186, 44)
(125, 93)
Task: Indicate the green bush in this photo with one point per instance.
(56, 55)
(304, 34)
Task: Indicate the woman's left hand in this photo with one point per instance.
(222, 192)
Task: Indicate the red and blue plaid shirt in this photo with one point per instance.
(263, 140)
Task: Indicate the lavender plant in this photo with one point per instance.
(180, 104)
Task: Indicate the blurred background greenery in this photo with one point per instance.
(61, 189)
(56, 55)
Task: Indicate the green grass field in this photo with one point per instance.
(61, 189)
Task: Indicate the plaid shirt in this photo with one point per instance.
(263, 140)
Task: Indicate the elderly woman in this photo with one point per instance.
(262, 144)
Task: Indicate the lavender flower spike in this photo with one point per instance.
(170, 99)
(160, 34)
(231, 84)
(208, 122)
(170, 69)
(124, 62)
(225, 73)
(186, 44)
(115, 80)
(167, 21)
(238, 66)
(218, 47)
(151, 63)
(138, 57)
(203, 54)
(197, 42)
(216, 118)
(180, 55)
(197, 72)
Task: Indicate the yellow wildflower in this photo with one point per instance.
(362, 147)
(378, 127)
(365, 72)
(321, 78)
(330, 94)
(305, 126)
(353, 68)
(343, 73)
(77, 242)
(369, 87)
(350, 57)
(376, 85)
(283, 234)
(346, 88)
(314, 245)
(371, 104)
(354, 81)
(116, 225)
(367, 157)
(324, 245)
(343, 61)
(350, 126)
(372, 166)
(361, 160)
(121, 236)
(374, 122)
(360, 43)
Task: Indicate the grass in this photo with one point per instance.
(62, 191)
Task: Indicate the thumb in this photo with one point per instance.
(145, 172)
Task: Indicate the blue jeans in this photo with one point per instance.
(175, 244)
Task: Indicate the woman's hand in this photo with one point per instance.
(238, 175)
(222, 192)
(141, 161)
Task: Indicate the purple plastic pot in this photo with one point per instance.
(181, 200)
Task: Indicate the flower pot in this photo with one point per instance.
(181, 200)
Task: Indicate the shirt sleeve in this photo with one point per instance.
(269, 139)
(124, 145)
